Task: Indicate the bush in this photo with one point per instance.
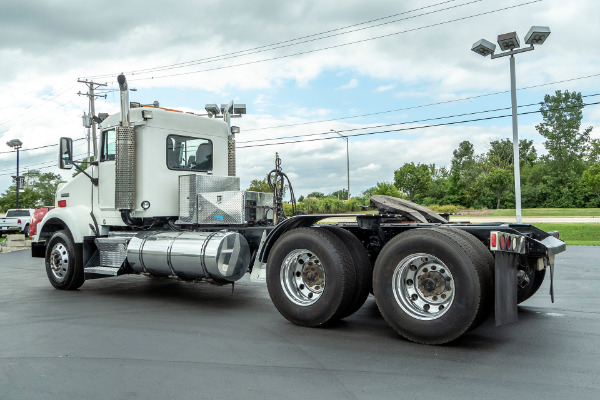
(330, 205)
(447, 208)
(287, 209)
(310, 205)
(351, 205)
(327, 205)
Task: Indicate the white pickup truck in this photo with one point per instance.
(16, 220)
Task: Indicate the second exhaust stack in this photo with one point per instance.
(124, 89)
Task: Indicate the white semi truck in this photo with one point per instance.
(163, 200)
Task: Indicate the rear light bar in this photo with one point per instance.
(509, 242)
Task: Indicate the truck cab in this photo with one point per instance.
(166, 144)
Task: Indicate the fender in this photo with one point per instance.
(297, 221)
(76, 219)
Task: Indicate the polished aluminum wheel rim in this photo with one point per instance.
(59, 262)
(423, 286)
(302, 277)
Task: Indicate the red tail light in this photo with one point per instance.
(502, 242)
(62, 203)
(493, 240)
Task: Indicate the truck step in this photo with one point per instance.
(107, 271)
(108, 259)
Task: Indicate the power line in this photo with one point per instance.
(36, 148)
(62, 91)
(402, 123)
(338, 45)
(31, 165)
(52, 165)
(418, 106)
(384, 125)
(27, 159)
(299, 40)
(413, 127)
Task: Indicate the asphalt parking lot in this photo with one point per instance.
(133, 337)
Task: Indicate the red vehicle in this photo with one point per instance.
(38, 215)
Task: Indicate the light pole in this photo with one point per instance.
(347, 158)
(509, 44)
(16, 144)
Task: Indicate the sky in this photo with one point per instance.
(398, 79)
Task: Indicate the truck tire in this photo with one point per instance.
(64, 265)
(310, 276)
(362, 268)
(485, 264)
(427, 285)
(26, 231)
(536, 278)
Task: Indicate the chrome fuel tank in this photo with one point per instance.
(220, 256)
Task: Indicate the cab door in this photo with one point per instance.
(106, 170)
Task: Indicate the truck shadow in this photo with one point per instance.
(251, 298)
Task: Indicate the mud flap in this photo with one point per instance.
(506, 288)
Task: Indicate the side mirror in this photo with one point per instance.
(65, 155)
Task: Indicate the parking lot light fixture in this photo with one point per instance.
(16, 144)
(510, 45)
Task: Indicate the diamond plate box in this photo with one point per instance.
(234, 207)
(191, 185)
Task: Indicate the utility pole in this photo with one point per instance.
(92, 96)
(88, 140)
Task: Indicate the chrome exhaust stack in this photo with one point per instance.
(124, 89)
(125, 158)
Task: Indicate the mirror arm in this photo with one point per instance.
(94, 180)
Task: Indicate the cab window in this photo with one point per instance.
(189, 154)
(107, 149)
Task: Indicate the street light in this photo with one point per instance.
(509, 44)
(16, 144)
(347, 159)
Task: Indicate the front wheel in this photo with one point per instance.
(64, 264)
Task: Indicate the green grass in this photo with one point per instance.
(549, 212)
(575, 234)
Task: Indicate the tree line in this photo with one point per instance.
(567, 176)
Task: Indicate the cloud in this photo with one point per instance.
(350, 85)
(385, 88)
